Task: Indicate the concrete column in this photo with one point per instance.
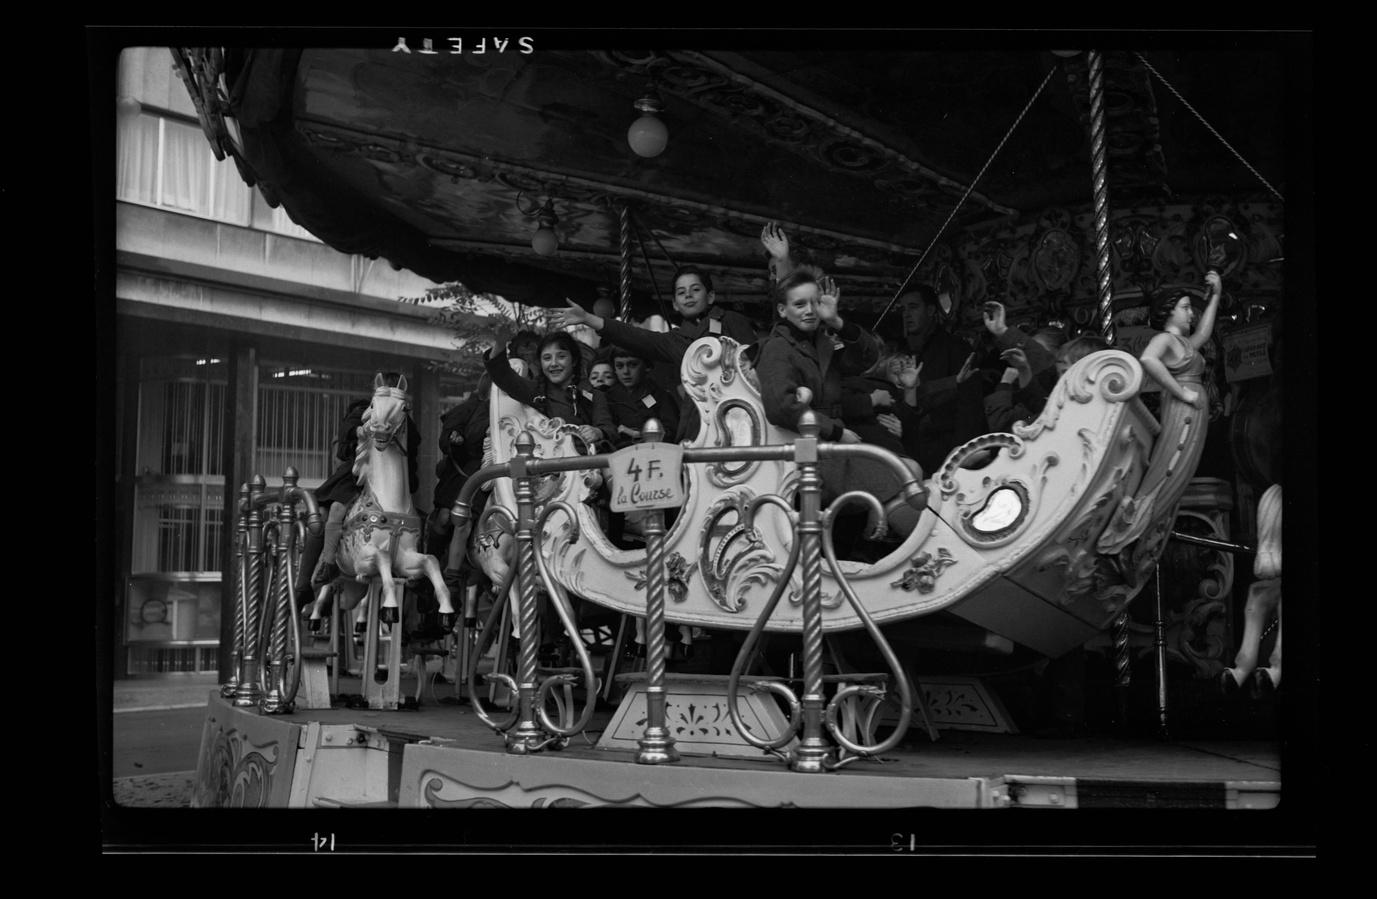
(425, 393)
(241, 436)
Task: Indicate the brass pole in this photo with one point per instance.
(1100, 183)
(624, 215)
(250, 690)
(1123, 663)
(657, 743)
(813, 752)
(527, 736)
(231, 686)
(1159, 642)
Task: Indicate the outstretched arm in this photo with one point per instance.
(1206, 326)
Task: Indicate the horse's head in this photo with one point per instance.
(386, 416)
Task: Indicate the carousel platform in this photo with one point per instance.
(440, 755)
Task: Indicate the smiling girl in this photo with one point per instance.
(555, 392)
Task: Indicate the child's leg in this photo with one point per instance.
(327, 570)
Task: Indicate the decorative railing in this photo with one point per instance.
(529, 728)
(269, 534)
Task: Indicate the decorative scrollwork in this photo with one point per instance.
(924, 570)
(739, 558)
(725, 474)
(678, 572)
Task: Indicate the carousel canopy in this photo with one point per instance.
(447, 162)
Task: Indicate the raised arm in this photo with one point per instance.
(500, 370)
(776, 243)
(1206, 326)
(1006, 337)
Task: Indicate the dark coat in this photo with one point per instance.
(572, 403)
(461, 457)
(631, 408)
(861, 415)
(664, 351)
(789, 359)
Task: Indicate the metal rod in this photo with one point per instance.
(250, 691)
(1100, 185)
(1212, 543)
(656, 745)
(231, 686)
(624, 220)
(527, 736)
(1105, 291)
(813, 753)
(1159, 642)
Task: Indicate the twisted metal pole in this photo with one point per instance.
(813, 752)
(1100, 181)
(231, 686)
(624, 215)
(527, 736)
(656, 745)
(1123, 662)
(250, 691)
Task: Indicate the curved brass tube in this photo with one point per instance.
(501, 725)
(294, 684)
(562, 608)
(733, 683)
(915, 494)
(901, 681)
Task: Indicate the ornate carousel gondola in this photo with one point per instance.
(1038, 538)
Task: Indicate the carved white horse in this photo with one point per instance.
(382, 528)
(1263, 597)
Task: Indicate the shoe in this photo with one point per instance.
(1227, 685)
(1262, 685)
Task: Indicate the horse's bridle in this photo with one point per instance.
(384, 437)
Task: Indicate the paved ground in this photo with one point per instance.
(156, 736)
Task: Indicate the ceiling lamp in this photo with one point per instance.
(648, 135)
(544, 241)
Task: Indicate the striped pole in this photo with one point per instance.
(1101, 195)
(1123, 660)
(625, 216)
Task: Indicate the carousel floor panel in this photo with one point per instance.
(441, 755)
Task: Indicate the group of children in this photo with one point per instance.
(919, 394)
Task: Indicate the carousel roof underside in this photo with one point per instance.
(435, 162)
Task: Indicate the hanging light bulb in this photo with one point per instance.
(648, 135)
(544, 241)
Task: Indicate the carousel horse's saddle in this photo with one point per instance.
(1009, 546)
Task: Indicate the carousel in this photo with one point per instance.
(762, 642)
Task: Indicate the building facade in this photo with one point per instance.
(239, 341)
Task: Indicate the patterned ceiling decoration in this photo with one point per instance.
(439, 163)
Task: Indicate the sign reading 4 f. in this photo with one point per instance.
(647, 476)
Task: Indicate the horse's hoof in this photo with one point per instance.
(1227, 685)
(448, 620)
(1262, 684)
(388, 615)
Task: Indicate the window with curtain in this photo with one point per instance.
(164, 162)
